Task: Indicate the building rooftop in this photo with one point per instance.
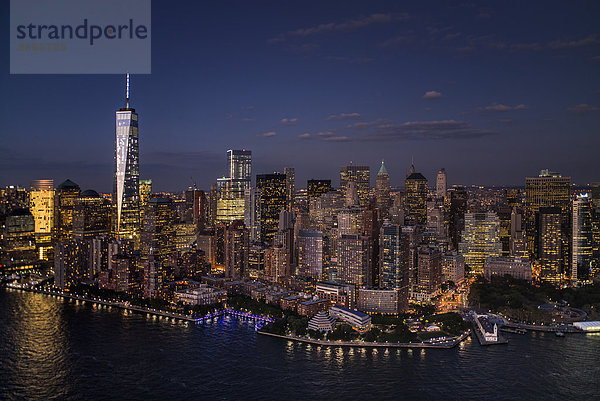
(382, 169)
(68, 184)
(90, 193)
(416, 176)
(352, 311)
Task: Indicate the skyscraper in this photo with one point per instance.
(236, 250)
(273, 198)
(549, 244)
(126, 191)
(145, 194)
(458, 208)
(382, 192)
(355, 259)
(17, 241)
(91, 215)
(66, 195)
(582, 262)
(316, 188)
(517, 237)
(441, 183)
(158, 234)
(290, 177)
(231, 189)
(239, 164)
(416, 197)
(252, 213)
(549, 189)
(393, 257)
(310, 254)
(41, 205)
(361, 176)
(480, 239)
(430, 271)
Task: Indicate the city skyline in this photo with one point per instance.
(316, 91)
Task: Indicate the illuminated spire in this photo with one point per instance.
(127, 93)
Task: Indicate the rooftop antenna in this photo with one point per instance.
(127, 94)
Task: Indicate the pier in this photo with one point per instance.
(486, 332)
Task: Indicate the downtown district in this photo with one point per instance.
(306, 248)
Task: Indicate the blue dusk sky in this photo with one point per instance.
(492, 91)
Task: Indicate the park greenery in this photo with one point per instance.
(385, 328)
(520, 300)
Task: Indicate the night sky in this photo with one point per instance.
(491, 92)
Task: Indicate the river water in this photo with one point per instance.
(53, 348)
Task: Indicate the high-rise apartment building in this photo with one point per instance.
(310, 254)
(71, 263)
(430, 270)
(393, 257)
(17, 241)
(237, 246)
(355, 260)
(41, 206)
(252, 214)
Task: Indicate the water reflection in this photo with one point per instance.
(39, 348)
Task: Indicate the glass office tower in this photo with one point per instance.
(126, 191)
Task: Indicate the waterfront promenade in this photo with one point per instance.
(447, 344)
(141, 309)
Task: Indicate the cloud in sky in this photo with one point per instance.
(413, 130)
(268, 134)
(344, 116)
(346, 26)
(368, 124)
(306, 135)
(396, 42)
(336, 138)
(426, 130)
(502, 107)
(289, 121)
(248, 120)
(583, 109)
(432, 95)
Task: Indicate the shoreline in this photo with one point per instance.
(141, 309)
(364, 344)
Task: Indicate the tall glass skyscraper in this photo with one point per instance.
(232, 189)
(126, 191)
